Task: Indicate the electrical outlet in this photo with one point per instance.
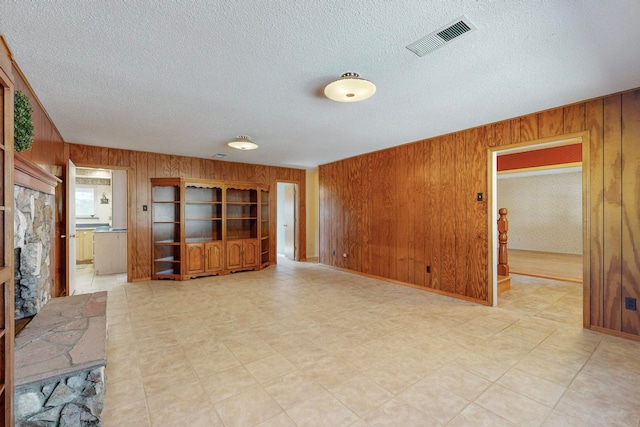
(630, 303)
(428, 269)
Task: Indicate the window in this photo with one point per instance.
(85, 202)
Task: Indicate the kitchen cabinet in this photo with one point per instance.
(110, 251)
(84, 246)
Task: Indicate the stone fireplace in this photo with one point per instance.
(34, 210)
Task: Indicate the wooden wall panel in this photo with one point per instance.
(612, 204)
(435, 212)
(448, 224)
(356, 212)
(429, 194)
(515, 131)
(550, 123)
(477, 217)
(594, 118)
(502, 133)
(403, 209)
(630, 209)
(574, 118)
(119, 158)
(529, 128)
(142, 174)
(459, 211)
(421, 194)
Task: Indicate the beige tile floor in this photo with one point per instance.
(299, 344)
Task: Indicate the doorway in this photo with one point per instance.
(494, 152)
(97, 225)
(286, 220)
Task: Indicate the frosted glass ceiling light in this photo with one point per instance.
(350, 88)
(242, 142)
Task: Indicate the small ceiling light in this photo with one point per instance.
(242, 142)
(350, 88)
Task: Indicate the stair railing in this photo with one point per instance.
(503, 228)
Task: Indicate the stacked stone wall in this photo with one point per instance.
(33, 240)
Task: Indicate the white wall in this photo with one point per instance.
(313, 209)
(545, 211)
(280, 218)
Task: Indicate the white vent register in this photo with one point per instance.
(442, 36)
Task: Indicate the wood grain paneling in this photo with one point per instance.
(551, 123)
(446, 228)
(612, 204)
(460, 210)
(630, 210)
(434, 212)
(594, 117)
(574, 118)
(448, 224)
(529, 128)
(421, 217)
(403, 209)
(477, 219)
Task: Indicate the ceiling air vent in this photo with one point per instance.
(442, 36)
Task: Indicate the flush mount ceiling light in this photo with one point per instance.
(350, 88)
(242, 142)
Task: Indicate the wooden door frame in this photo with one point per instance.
(129, 170)
(296, 214)
(492, 154)
(6, 272)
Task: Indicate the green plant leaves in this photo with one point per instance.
(23, 131)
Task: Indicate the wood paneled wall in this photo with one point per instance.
(143, 166)
(396, 211)
(47, 152)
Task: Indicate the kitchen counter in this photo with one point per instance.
(108, 229)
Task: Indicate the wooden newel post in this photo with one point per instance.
(503, 228)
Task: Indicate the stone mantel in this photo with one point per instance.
(28, 174)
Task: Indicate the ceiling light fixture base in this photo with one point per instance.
(350, 87)
(243, 142)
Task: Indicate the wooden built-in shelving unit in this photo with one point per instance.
(203, 227)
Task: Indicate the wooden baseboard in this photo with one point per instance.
(504, 284)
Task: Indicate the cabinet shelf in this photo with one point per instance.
(167, 259)
(204, 219)
(169, 272)
(200, 202)
(166, 242)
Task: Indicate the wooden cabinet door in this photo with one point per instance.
(87, 243)
(250, 253)
(79, 246)
(213, 256)
(234, 254)
(195, 258)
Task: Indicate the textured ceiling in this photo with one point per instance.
(185, 76)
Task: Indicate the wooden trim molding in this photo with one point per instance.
(30, 175)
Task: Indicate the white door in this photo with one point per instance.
(290, 221)
(71, 228)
